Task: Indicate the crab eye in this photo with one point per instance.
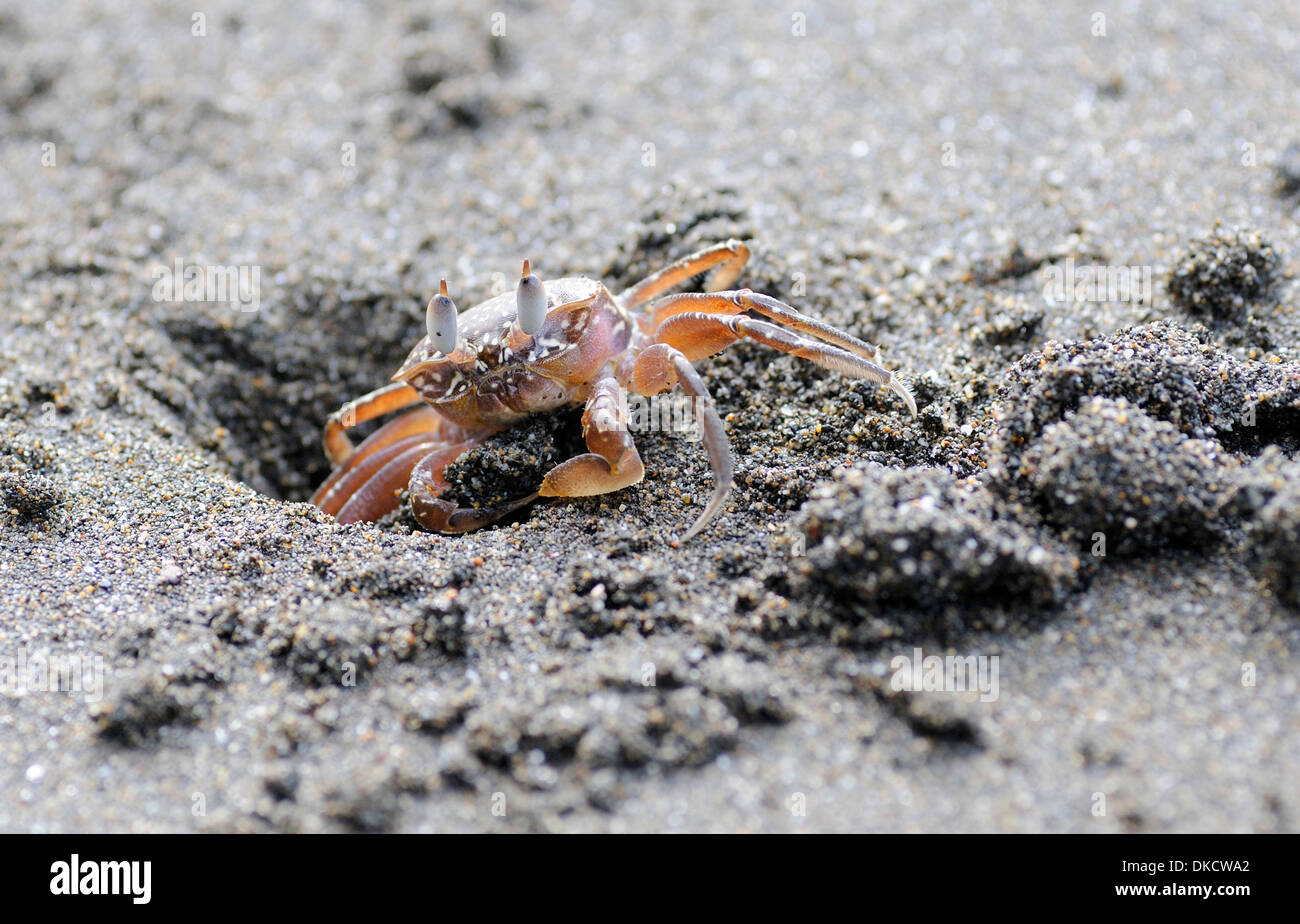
(440, 318)
(530, 298)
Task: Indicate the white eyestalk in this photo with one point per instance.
(530, 298)
(440, 318)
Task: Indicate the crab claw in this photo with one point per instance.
(530, 298)
(440, 318)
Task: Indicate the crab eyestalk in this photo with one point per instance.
(530, 298)
(440, 318)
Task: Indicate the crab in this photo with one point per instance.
(565, 342)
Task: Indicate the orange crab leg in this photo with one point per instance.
(421, 420)
(333, 500)
(732, 256)
(658, 368)
(741, 300)
(338, 448)
(699, 335)
(380, 494)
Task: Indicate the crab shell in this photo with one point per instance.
(498, 375)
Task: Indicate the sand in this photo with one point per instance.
(922, 175)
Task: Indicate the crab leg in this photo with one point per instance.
(658, 368)
(732, 256)
(612, 463)
(380, 492)
(338, 448)
(699, 335)
(422, 420)
(741, 300)
(335, 493)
